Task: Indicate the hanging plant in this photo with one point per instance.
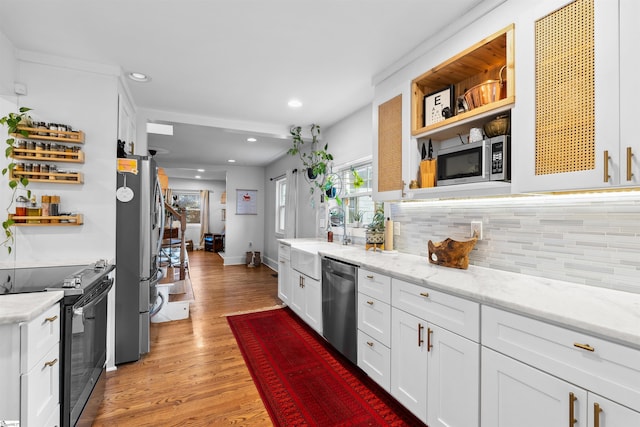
(317, 161)
(12, 120)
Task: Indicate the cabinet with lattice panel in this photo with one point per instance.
(576, 99)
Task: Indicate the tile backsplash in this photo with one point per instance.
(592, 239)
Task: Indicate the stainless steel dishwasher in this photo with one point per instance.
(339, 316)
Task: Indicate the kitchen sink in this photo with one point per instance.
(305, 258)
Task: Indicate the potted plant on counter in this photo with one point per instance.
(357, 218)
(375, 230)
(12, 121)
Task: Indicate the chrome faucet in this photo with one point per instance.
(345, 239)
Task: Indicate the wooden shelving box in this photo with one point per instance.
(475, 65)
(50, 177)
(69, 220)
(71, 137)
(53, 156)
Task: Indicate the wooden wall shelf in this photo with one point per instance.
(72, 137)
(63, 220)
(50, 177)
(475, 65)
(49, 156)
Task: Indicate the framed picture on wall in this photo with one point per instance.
(439, 105)
(246, 202)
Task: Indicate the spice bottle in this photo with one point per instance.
(329, 235)
(54, 208)
(34, 210)
(21, 208)
(46, 203)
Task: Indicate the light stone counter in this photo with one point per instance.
(17, 308)
(610, 314)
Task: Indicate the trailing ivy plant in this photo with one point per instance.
(12, 120)
(317, 161)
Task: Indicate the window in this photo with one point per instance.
(188, 202)
(281, 198)
(357, 200)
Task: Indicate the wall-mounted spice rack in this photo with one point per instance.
(61, 220)
(50, 177)
(73, 137)
(47, 155)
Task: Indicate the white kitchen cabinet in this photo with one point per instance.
(306, 299)
(284, 273)
(629, 64)
(374, 326)
(542, 363)
(30, 370)
(515, 394)
(435, 354)
(583, 149)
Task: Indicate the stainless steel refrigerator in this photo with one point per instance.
(139, 227)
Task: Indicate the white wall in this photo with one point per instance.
(85, 98)
(7, 66)
(215, 188)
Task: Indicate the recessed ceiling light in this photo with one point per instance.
(197, 176)
(139, 77)
(231, 161)
(294, 103)
(200, 170)
(251, 139)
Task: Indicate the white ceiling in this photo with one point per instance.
(235, 61)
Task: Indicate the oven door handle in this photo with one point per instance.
(93, 301)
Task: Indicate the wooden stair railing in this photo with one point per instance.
(183, 226)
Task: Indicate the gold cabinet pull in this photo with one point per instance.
(429, 345)
(420, 340)
(425, 294)
(629, 156)
(596, 415)
(370, 302)
(370, 276)
(369, 343)
(572, 419)
(51, 363)
(51, 319)
(281, 262)
(584, 346)
(606, 166)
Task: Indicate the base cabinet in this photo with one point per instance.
(284, 274)
(434, 373)
(306, 299)
(603, 412)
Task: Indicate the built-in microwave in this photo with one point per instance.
(486, 160)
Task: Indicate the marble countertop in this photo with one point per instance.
(16, 308)
(610, 314)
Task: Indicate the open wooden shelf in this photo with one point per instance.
(477, 64)
(49, 177)
(69, 220)
(72, 137)
(47, 155)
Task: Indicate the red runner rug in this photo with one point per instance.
(303, 381)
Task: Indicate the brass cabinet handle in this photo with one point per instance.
(281, 262)
(596, 415)
(629, 156)
(429, 345)
(51, 363)
(51, 319)
(370, 302)
(369, 343)
(572, 399)
(420, 340)
(425, 294)
(584, 346)
(301, 282)
(370, 276)
(606, 166)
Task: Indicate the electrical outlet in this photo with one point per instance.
(476, 229)
(396, 228)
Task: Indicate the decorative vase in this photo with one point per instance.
(311, 174)
(331, 192)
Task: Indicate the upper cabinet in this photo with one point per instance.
(471, 85)
(570, 138)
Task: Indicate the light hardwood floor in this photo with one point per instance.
(195, 374)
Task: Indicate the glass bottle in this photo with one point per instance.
(34, 210)
(46, 203)
(21, 208)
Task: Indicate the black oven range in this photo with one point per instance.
(83, 332)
